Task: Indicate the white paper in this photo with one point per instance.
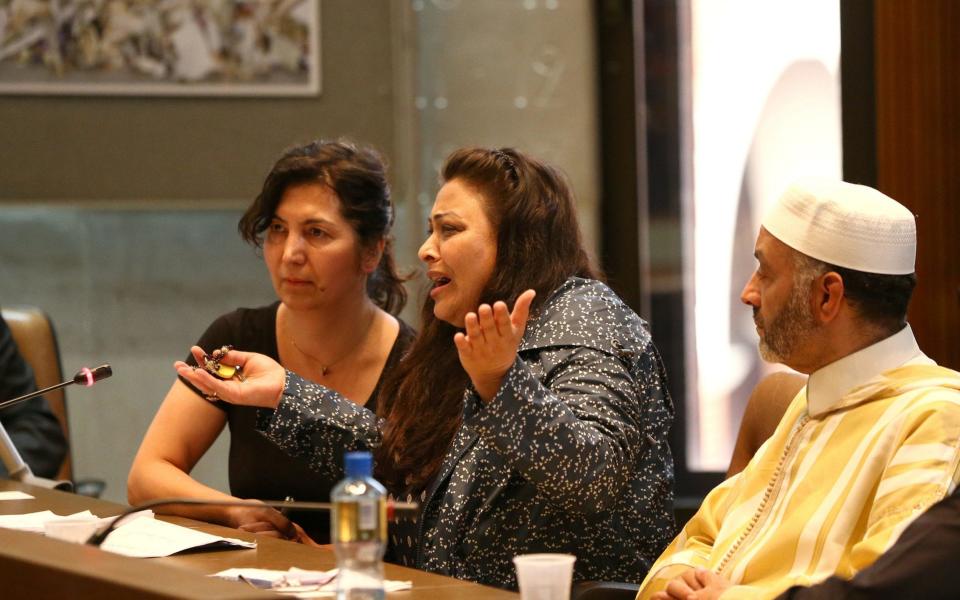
(16, 494)
(299, 583)
(140, 535)
(278, 580)
(36, 521)
(330, 590)
(150, 538)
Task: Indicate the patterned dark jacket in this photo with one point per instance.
(570, 456)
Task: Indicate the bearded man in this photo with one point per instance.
(867, 445)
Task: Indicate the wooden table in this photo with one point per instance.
(33, 566)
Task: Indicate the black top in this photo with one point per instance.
(258, 468)
(31, 426)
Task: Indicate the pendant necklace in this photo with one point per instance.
(325, 367)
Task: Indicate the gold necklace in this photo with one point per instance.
(325, 367)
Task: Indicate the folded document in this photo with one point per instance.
(140, 536)
(300, 583)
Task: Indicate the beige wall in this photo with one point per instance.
(504, 73)
(198, 148)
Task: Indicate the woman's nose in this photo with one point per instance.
(427, 252)
(293, 250)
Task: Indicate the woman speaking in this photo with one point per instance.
(530, 414)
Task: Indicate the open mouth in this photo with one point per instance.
(438, 284)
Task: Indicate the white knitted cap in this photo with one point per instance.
(847, 225)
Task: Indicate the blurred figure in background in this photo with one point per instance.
(32, 427)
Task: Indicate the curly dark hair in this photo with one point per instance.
(531, 206)
(357, 175)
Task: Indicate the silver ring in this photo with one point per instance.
(212, 397)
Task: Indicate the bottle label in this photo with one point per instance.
(367, 515)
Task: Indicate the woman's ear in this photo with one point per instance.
(370, 256)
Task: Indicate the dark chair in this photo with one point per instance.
(36, 339)
(604, 590)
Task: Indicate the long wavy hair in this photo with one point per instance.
(531, 207)
(358, 176)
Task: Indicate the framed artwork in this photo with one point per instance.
(162, 47)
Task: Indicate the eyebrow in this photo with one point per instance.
(442, 215)
(316, 221)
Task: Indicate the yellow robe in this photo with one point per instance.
(827, 494)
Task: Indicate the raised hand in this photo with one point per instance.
(262, 384)
(489, 345)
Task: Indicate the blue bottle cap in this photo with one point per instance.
(358, 464)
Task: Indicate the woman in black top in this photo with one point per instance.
(322, 221)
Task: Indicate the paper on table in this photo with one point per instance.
(150, 538)
(35, 521)
(278, 580)
(300, 583)
(140, 536)
(329, 590)
(15, 495)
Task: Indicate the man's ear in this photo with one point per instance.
(370, 256)
(829, 296)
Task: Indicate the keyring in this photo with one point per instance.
(212, 365)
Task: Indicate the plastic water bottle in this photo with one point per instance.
(358, 530)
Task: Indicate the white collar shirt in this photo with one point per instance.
(828, 385)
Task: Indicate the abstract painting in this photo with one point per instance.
(161, 47)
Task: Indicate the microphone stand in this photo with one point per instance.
(86, 377)
(20, 471)
(16, 467)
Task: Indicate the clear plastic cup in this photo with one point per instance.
(544, 576)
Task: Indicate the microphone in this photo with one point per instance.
(100, 536)
(86, 377)
(19, 470)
